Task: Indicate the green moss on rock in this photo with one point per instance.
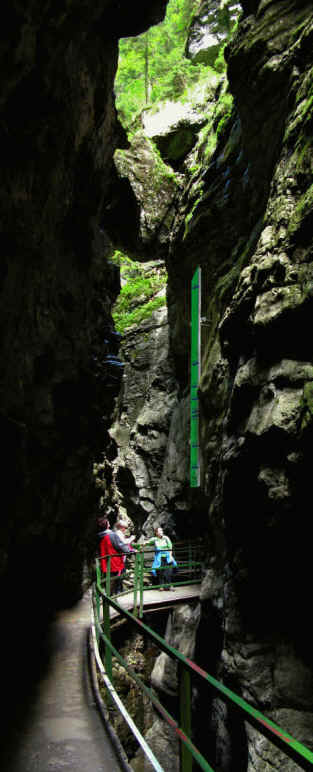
(141, 293)
(302, 211)
(179, 144)
(307, 405)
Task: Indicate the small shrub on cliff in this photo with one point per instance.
(140, 295)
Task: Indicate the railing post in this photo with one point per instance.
(184, 680)
(106, 620)
(136, 574)
(97, 596)
(141, 576)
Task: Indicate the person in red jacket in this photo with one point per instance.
(111, 544)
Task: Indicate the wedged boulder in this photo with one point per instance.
(174, 127)
(149, 188)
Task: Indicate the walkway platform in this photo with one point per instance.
(63, 729)
(154, 600)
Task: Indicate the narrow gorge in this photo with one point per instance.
(95, 404)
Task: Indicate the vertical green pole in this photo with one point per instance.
(106, 620)
(96, 601)
(108, 576)
(107, 632)
(185, 716)
(141, 575)
(97, 596)
(195, 368)
(136, 577)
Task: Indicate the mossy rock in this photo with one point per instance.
(307, 405)
(301, 221)
(175, 146)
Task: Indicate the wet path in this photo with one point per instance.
(63, 729)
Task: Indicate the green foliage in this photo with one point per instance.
(138, 298)
(190, 215)
(220, 64)
(156, 56)
(222, 125)
(302, 212)
(123, 321)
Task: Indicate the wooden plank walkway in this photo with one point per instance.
(156, 599)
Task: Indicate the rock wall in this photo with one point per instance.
(251, 231)
(244, 214)
(58, 133)
(210, 28)
(144, 410)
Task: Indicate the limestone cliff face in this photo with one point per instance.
(58, 134)
(251, 231)
(144, 411)
(241, 207)
(244, 214)
(210, 29)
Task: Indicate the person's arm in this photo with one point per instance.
(118, 544)
(170, 548)
(130, 539)
(124, 539)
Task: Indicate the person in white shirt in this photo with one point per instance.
(121, 528)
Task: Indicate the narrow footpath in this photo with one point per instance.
(63, 729)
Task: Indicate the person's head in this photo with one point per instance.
(158, 531)
(103, 523)
(121, 524)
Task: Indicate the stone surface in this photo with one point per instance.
(62, 728)
(243, 211)
(143, 418)
(181, 633)
(244, 215)
(248, 225)
(59, 131)
(210, 28)
(155, 188)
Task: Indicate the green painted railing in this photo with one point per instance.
(138, 576)
(188, 669)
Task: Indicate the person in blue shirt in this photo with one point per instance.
(163, 562)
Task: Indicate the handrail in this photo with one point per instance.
(189, 560)
(285, 742)
(121, 707)
(190, 748)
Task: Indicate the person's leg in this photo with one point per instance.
(167, 576)
(114, 582)
(119, 581)
(118, 587)
(160, 575)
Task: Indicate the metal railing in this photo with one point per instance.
(138, 577)
(187, 669)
